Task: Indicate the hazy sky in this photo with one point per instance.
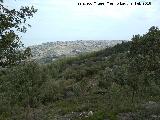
(62, 20)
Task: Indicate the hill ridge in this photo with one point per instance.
(50, 51)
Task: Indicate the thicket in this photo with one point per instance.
(91, 81)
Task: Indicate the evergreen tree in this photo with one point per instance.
(144, 59)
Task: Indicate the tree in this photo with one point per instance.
(24, 84)
(145, 50)
(11, 22)
(144, 58)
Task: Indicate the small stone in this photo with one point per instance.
(90, 113)
(156, 116)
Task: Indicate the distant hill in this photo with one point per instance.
(47, 52)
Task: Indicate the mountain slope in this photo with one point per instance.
(117, 83)
(48, 52)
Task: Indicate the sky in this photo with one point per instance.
(65, 20)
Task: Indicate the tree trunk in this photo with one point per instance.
(133, 94)
(28, 111)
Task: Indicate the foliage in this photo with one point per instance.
(24, 83)
(144, 59)
(13, 21)
(23, 86)
(113, 81)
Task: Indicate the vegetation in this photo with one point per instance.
(110, 84)
(120, 81)
(12, 22)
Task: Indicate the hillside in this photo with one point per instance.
(50, 51)
(117, 83)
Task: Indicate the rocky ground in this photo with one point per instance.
(50, 51)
